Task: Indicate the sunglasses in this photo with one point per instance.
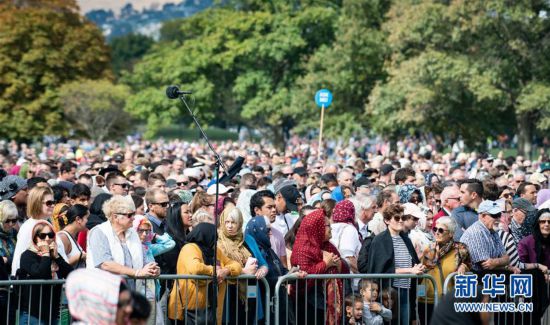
(542, 222)
(123, 185)
(162, 204)
(11, 221)
(401, 218)
(49, 203)
(288, 175)
(43, 236)
(182, 183)
(127, 215)
(439, 230)
(424, 170)
(144, 231)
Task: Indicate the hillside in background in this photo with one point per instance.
(147, 21)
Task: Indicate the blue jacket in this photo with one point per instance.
(464, 217)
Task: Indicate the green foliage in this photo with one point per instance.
(95, 108)
(467, 68)
(127, 50)
(42, 46)
(241, 65)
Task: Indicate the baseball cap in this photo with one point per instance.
(222, 189)
(413, 210)
(283, 182)
(362, 181)
(291, 195)
(300, 171)
(544, 166)
(10, 185)
(523, 205)
(489, 207)
(386, 169)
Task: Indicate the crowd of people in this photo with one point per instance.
(91, 214)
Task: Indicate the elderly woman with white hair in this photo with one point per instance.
(8, 219)
(114, 246)
(442, 258)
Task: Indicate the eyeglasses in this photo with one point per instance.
(182, 183)
(162, 204)
(127, 215)
(44, 235)
(11, 221)
(401, 218)
(288, 175)
(123, 185)
(144, 231)
(440, 230)
(545, 221)
(49, 203)
(424, 170)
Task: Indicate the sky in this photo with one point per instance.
(116, 5)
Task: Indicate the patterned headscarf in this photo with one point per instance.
(93, 296)
(405, 192)
(185, 196)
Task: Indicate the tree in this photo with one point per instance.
(43, 44)
(465, 68)
(95, 108)
(241, 65)
(127, 50)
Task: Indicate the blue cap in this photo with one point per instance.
(490, 207)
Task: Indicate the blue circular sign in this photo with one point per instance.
(323, 98)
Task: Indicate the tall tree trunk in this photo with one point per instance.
(279, 138)
(525, 127)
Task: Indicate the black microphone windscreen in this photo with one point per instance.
(172, 92)
(232, 170)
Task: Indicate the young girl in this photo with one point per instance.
(164, 243)
(354, 309)
(374, 313)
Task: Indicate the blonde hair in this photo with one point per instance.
(8, 210)
(201, 216)
(36, 200)
(118, 204)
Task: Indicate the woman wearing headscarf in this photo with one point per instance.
(189, 298)
(244, 250)
(178, 225)
(409, 193)
(41, 261)
(345, 236)
(98, 297)
(314, 254)
(442, 258)
(39, 207)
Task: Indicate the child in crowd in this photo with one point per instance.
(354, 309)
(374, 313)
(141, 309)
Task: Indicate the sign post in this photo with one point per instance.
(323, 98)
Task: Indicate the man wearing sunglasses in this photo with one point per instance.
(485, 247)
(117, 184)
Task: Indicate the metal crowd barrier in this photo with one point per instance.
(293, 301)
(246, 312)
(513, 318)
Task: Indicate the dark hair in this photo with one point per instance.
(155, 177)
(290, 236)
(79, 190)
(257, 200)
(474, 186)
(58, 193)
(521, 188)
(258, 168)
(490, 191)
(392, 210)
(174, 224)
(33, 181)
(382, 197)
(141, 309)
(66, 167)
(327, 206)
(263, 181)
(540, 241)
(75, 211)
(140, 191)
(138, 200)
(402, 173)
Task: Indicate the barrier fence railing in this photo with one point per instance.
(314, 298)
(246, 300)
(515, 309)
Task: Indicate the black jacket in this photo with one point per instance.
(382, 260)
(363, 259)
(42, 298)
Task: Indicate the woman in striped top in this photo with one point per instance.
(393, 252)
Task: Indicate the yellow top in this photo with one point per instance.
(193, 293)
(448, 266)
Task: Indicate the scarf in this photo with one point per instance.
(515, 231)
(435, 253)
(93, 296)
(204, 236)
(257, 229)
(34, 248)
(233, 245)
(138, 221)
(405, 192)
(344, 212)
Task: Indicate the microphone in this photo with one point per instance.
(174, 92)
(232, 170)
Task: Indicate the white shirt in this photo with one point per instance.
(363, 228)
(284, 222)
(377, 225)
(346, 239)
